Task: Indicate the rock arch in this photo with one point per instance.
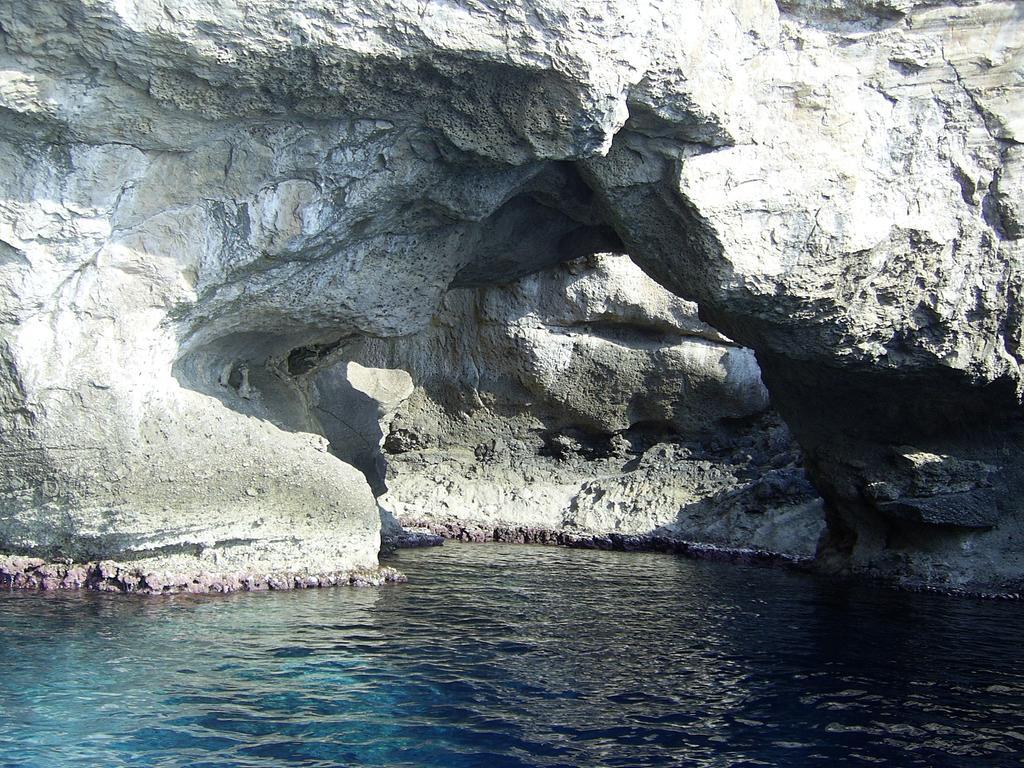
(190, 196)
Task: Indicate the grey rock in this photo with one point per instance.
(955, 510)
(598, 448)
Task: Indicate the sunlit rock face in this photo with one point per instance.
(202, 200)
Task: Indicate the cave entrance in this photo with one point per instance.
(557, 390)
(579, 403)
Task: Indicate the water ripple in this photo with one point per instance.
(516, 656)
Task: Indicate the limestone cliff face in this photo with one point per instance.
(201, 201)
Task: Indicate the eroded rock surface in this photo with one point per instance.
(202, 200)
(581, 401)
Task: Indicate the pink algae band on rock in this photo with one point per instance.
(107, 576)
(641, 542)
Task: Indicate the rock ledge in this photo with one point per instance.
(109, 576)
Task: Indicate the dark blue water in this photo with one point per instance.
(517, 656)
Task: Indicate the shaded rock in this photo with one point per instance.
(954, 510)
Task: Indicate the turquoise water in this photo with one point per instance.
(500, 655)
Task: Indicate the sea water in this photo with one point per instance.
(502, 655)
